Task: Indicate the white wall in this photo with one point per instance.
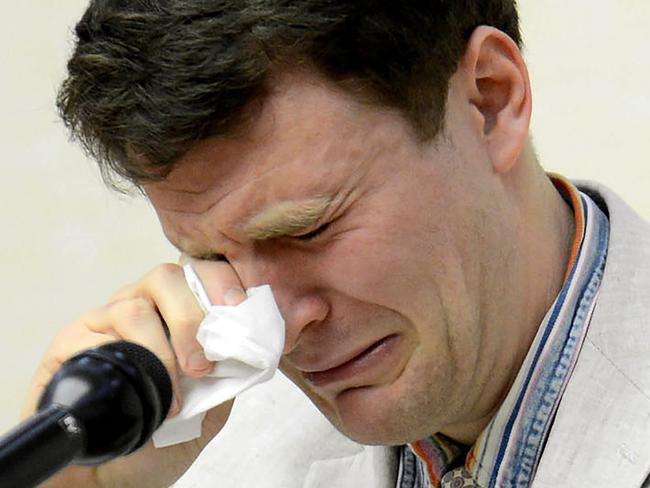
(67, 242)
(590, 71)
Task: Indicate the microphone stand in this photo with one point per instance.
(39, 447)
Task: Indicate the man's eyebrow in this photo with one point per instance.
(286, 218)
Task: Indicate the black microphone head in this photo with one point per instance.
(152, 367)
(119, 393)
(156, 384)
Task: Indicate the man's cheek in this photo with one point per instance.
(369, 270)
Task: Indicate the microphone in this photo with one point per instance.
(103, 403)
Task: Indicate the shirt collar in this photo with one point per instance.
(508, 450)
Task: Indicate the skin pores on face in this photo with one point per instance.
(394, 289)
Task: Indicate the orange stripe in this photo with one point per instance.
(423, 456)
(562, 184)
(469, 460)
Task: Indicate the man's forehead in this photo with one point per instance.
(304, 151)
(200, 168)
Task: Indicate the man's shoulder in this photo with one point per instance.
(600, 433)
(277, 438)
(621, 322)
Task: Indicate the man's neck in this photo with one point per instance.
(544, 250)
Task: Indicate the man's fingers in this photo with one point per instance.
(222, 287)
(137, 320)
(180, 312)
(179, 308)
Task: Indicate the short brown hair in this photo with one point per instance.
(149, 78)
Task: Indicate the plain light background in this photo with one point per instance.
(68, 243)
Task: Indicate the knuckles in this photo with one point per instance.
(163, 273)
(134, 309)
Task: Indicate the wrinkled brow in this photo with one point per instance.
(286, 218)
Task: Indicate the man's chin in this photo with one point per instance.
(367, 435)
(369, 415)
(365, 420)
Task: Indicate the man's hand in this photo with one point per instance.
(158, 306)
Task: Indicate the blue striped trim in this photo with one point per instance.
(553, 372)
(508, 430)
(525, 468)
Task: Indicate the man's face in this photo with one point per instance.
(382, 253)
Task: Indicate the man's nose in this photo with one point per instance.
(296, 290)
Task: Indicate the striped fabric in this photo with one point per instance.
(507, 452)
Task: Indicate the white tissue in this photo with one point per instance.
(245, 340)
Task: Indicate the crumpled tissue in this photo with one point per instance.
(245, 340)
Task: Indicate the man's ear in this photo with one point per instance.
(498, 87)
